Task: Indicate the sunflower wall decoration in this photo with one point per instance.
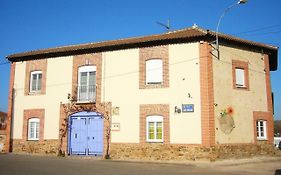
(226, 120)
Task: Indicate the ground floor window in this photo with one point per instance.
(261, 130)
(33, 128)
(154, 125)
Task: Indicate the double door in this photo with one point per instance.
(86, 135)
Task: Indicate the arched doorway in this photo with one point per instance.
(85, 134)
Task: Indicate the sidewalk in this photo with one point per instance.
(206, 163)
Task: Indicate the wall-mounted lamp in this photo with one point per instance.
(218, 24)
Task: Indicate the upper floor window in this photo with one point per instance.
(240, 74)
(35, 81)
(240, 77)
(33, 128)
(261, 130)
(154, 71)
(154, 125)
(86, 83)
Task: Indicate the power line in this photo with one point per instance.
(133, 72)
(257, 29)
(250, 69)
(243, 57)
(4, 63)
(126, 73)
(265, 33)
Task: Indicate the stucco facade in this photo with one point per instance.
(124, 78)
(244, 102)
(121, 78)
(58, 85)
(192, 76)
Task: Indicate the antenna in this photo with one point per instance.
(167, 26)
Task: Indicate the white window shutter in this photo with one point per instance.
(240, 78)
(154, 71)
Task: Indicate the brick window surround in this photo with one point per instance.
(35, 65)
(94, 59)
(155, 109)
(266, 116)
(33, 113)
(155, 52)
(236, 64)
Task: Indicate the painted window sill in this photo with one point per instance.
(262, 139)
(241, 88)
(35, 93)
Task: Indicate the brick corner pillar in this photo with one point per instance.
(270, 121)
(207, 95)
(8, 145)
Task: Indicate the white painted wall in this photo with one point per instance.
(121, 87)
(58, 85)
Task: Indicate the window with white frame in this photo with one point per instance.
(35, 81)
(261, 130)
(240, 77)
(154, 71)
(87, 83)
(33, 128)
(154, 131)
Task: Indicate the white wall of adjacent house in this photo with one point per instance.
(58, 85)
(243, 102)
(121, 87)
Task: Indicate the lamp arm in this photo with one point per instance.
(218, 25)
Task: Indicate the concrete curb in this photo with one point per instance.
(205, 163)
(196, 163)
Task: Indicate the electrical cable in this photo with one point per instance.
(257, 29)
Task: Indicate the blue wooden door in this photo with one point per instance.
(86, 134)
(78, 139)
(95, 135)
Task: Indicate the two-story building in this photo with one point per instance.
(158, 97)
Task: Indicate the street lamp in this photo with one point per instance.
(218, 25)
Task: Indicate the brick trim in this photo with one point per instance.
(268, 84)
(8, 145)
(259, 115)
(207, 95)
(155, 109)
(148, 53)
(87, 60)
(33, 113)
(242, 65)
(35, 65)
(269, 98)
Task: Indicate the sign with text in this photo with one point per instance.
(187, 107)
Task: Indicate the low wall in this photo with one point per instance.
(155, 151)
(170, 152)
(36, 147)
(2, 140)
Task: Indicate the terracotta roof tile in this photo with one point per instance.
(184, 35)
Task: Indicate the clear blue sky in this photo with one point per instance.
(35, 24)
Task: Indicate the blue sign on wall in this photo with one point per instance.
(187, 107)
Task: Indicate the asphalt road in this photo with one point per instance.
(11, 164)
